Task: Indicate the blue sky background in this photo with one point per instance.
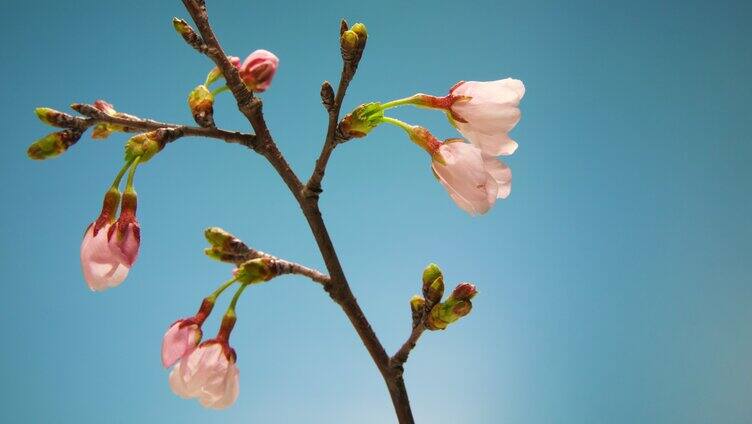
(615, 281)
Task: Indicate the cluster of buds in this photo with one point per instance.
(352, 42)
(225, 247)
(148, 144)
(207, 370)
(54, 144)
(360, 121)
(429, 308)
(204, 370)
(201, 103)
(103, 129)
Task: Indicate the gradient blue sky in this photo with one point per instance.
(615, 281)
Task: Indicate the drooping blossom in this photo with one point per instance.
(209, 374)
(485, 112)
(102, 266)
(185, 334)
(180, 340)
(473, 180)
(258, 69)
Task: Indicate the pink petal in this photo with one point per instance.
(178, 341)
(465, 178)
(100, 265)
(501, 173)
(493, 145)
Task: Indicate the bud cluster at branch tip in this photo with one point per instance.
(255, 271)
(56, 118)
(201, 103)
(188, 34)
(352, 42)
(225, 247)
(146, 145)
(361, 121)
(435, 314)
(53, 144)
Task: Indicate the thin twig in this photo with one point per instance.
(134, 124)
(399, 358)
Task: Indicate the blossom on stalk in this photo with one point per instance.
(184, 334)
(258, 69)
(488, 111)
(208, 373)
(101, 265)
(473, 179)
(484, 112)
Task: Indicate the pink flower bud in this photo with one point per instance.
(180, 340)
(464, 291)
(209, 374)
(101, 266)
(486, 112)
(258, 69)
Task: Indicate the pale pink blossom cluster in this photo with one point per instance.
(110, 248)
(205, 371)
(484, 113)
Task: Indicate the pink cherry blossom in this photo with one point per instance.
(180, 340)
(473, 180)
(102, 267)
(258, 69)
(490, 111)
(209, 374)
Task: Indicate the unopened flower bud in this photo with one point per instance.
(417, 303)
(430, 273)
(327, 95)
(362, 32)
(218, 237)
(464, 291)
(434, 291)
(188, 34)
(447, 312)
(56, 118)
(146, 145)
(361, 120)
(348, 43)
(258, 69)
(53, 144)
(201, 102)
(255, 271)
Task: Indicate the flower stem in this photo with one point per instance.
(220, 90)
(132, 173)
(399, 102)
(404, 125)
(221, 288)
(119, 176)
(234, 301)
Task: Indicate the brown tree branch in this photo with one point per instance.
(134, 124)
(399, 358)
(338, 288)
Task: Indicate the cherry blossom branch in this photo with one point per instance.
(313, 187)
(131, 123)
(228, 248)
(338, 287)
